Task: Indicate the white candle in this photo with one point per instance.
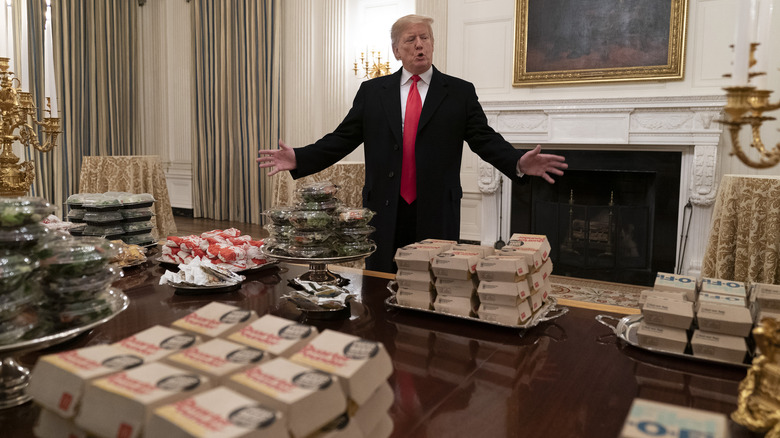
(742, 36)
(763, 36)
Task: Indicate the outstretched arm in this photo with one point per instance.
(277, 159)
(535, 163)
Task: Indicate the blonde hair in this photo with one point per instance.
(402, 23)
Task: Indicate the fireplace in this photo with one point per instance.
(612, 216)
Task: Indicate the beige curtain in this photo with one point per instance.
(236, 105)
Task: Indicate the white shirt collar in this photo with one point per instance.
(425, 76)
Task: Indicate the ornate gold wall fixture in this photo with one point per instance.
(371, 67)
(17, 116)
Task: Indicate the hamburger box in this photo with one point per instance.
(361, 365)
(663, 338)
(673, 283)
(368, 416)
(456, 288)
(383, 429)
(308, 398)
(535, 246)
(724, 319)
(677, 296)
(503, 293)
(456, 265)
(120, 405)
(462, 306)
(669, 313)
(216, 319)
(767, 296)
(718, 346)
(506, 268)
(414, 298)
(217, 359)
(649, 418)
(418, 280)
(539, 276)
(539, 297)
(484, 250)
(275, 335)
(446, 244)
(341, 427)
(51, 425)
(157, 342)
(729, 300)
(508, 315)
(57, 382)
(418, 256)
(217, 412)
(724, 287)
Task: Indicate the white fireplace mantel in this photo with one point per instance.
(687, 124)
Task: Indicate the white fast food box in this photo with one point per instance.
(368, 416)
(539, 297)
(216, 319)
(157, 342)
(648, 418)
(217, 359)
(537, 246)
(503, 293)
(383, 429)
(51, 425)
(678, 295)
(414, 298)
(718, 346)
(767, 296)
(724, 287)
(361, 365)
(672, 283)
(308, 398)
(218, 412)
(539, 276)
(456, 288)
(662, 338)
(275, 335)
(669, 313)
(418, 256)
(418, 280)
(462, 306)
(509, 315)
(724, 319)
(120, 405)
(57, 382)
(484, 250)
(729, 300)
(512, 268)
(446, 244)
(457, 265)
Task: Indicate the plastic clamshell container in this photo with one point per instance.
(311, 220)
(23, 236)
(78, 256)
(102, 217)
(23, 210)
(14, 303)
(80, 288)
(330, 206)
(311, 252)
(356, 248)
(107, 231)
(136, 200)
(137, 227)
(310, 238)
(101, 203)
(280, 232)
(317, 191)
(15, 328)
(279, 215)
(353, 217)
(139, 239)
(356, 234)
(15, 270)
(276, 246)
(78, 313)
(76, 214)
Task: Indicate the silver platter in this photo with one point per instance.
(626, 328)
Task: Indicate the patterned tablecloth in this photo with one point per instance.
(745, 236)
(133, 174)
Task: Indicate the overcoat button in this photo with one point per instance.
(395, 147)
(391, 174)
(387, 203)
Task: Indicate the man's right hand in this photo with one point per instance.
(277, 159)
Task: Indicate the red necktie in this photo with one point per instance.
(411, 120)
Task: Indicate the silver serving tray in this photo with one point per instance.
(241, 271)
(549, 311)
(626, 328)
(316, 260)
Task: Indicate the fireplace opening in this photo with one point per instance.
(611, 217)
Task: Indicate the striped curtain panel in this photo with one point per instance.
(95, 63)
(236, 105)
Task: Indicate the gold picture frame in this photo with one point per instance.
(569, 42)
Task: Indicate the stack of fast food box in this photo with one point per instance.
(709, 318)
(219, 371)
(505, 286)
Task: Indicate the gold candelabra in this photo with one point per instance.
(371, 67)
(17, 116)
(746, 105)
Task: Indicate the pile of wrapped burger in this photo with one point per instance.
(228, 249)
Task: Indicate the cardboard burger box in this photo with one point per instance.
(446, 244)
(672, 283)
(718, 346)
(724, 319)
(309, 398)
(418, 280)
(370, 414)
(728, 300)
(275, 335)
(51, 425)
(216, 319)
(218, 412)
(536, 247)
(361, 365)
(767, 296)
(462, 306)
(341, 427)
(669, 313)
(678, 295)
(508, 315)
(663, 338)
(456, 288)
(157, 341)
(217, 359)
(456, 265)
(414, 298)
(484, 250)
(539, 296)
(723, 287)
(539, 276)
(58, 380)
(505, 268)
(418, 256)
(121, 404)
(647, 418)
(503, 293)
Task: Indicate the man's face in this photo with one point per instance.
(415, 48)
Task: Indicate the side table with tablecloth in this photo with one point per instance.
(133, 174)
(744, 239)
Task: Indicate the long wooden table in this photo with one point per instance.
(453, 378)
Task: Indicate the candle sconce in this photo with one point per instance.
(371, 67)
(746, 105)
(17, 116)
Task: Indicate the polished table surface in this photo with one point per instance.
(568, 377)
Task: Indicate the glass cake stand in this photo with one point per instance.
(14, 377)
(318, 267)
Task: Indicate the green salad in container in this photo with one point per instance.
(317, 191)
(23, 210)
(78, 256)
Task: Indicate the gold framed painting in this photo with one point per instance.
(582, 41)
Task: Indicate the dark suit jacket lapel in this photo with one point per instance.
(437, 90)
(391, 101)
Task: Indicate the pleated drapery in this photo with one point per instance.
(236, 105)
